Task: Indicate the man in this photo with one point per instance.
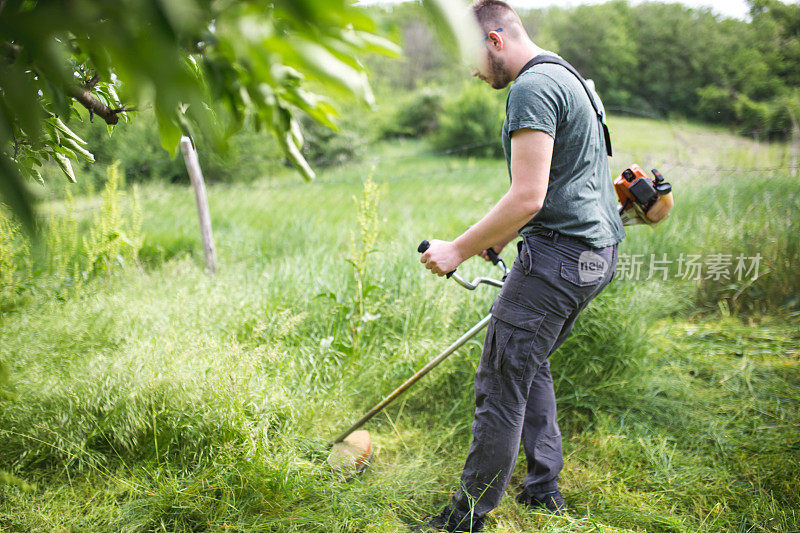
(561, 202)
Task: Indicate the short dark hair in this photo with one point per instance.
(494, 14)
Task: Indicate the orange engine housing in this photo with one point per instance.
(643, 197)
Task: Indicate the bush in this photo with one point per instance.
(470, 123)
(416, 116)
(716, 104)
(752, 117)
(324, 147)
(108, 242)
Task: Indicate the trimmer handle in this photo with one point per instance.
(493, 257)
(423, 247)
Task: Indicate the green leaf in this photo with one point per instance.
(369, 42)
(38, 176)
(113, 95)
(86, 154)
(293, 153)
(169, 131)
(312, 104)
(457, 27)
(65, 165)
(328, 67)
(71, 134)
(296, 132)
(14, 193)
(63, 150)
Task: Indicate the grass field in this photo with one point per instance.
(163, 399)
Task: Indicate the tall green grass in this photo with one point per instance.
(168, 400)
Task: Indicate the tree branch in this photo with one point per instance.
(84, 96)
(95, 106)
(92, 82)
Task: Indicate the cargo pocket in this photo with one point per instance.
(515, 331)
(588, 271)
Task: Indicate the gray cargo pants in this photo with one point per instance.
(551, 282)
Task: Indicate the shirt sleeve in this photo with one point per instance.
(533, 102)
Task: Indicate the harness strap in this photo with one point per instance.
(547, 58)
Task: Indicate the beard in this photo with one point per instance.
(500, 76)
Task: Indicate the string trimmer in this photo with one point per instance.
(352, 450)
(642, 201)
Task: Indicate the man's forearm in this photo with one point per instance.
(499, 225)
(507, 239)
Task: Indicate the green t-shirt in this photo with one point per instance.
(580, 200)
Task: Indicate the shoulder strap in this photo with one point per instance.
(547, 58)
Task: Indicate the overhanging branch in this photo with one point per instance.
(84, 96)
(83, 93)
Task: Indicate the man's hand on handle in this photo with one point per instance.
(497, 249)
(442, 257)
(499, 246)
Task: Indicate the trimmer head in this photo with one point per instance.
(352, 455)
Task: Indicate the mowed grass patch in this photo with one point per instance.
(165, 399)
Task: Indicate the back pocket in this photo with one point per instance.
(590, 269)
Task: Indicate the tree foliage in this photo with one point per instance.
(657, 58)
(666, 58)
(203, 65)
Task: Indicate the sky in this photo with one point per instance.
(727, 8)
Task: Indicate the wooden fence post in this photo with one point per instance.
(196, 175)
(795, 143)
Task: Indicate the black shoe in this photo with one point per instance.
(553, 501)
(452, 521)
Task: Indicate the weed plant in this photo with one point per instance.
(113, 239)
(15, 266)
